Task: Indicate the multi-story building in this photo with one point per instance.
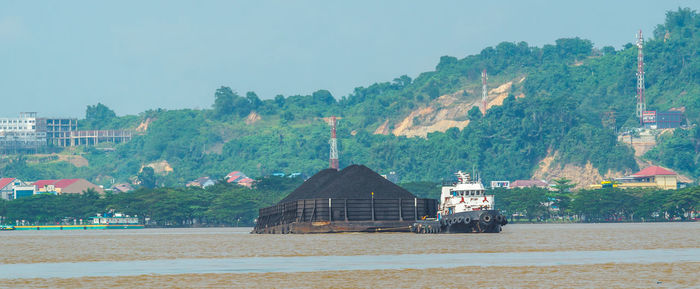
(20, 134)
(58, 130)
(31, 134)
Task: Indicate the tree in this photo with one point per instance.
(608, 50)
(475, 114)
(279, 100)
(223, 101)
(563, 185)
(99, 115)
(323, 97)
(254, 100)
(147, 178)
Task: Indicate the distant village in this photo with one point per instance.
(12, 188)
(653, 177)
(31, 134)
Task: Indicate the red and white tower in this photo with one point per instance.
(641, 104)
(484, 93)
(334, 145)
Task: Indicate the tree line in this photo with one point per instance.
(222, 204)
(231, 205)
(599, 205)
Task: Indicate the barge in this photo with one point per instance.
(355, 199)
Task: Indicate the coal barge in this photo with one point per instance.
(464, 208)
(355, 199)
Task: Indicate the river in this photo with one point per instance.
(523, 255)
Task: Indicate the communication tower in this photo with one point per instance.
(334, 145)
(641, 104)
(484, 93)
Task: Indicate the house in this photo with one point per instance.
(246, 182)
(528, 184)
(239, 178)
(653, 177)
(7, 186)
(65, 186)
(234, 177)
(500, 184)
(202, 182)
(122, 188)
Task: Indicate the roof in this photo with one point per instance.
(654, 171)
(43, 183)
(236, 179)
(528, 183)
(5, 181)
(235, 174)
(124, 187)
(64, 183)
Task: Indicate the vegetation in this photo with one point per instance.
(601, 205)
(228, 205)
(222, 204)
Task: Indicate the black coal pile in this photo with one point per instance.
(353, 182)
(312, 185)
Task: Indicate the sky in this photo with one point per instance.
(57, 57)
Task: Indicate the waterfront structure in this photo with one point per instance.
(65, 186)
(7, 186)
(651, 177)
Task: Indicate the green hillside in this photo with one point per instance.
(568, 87)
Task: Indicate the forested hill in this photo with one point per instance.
(546, 103)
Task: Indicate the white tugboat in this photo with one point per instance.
(464, 208)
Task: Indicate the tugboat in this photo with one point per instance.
(464, 208)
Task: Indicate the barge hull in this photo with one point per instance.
(337, 227)
(343, 215)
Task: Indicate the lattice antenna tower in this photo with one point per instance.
(484, 92)
(641, 104)
(334, 145)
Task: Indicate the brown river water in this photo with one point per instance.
(637, 255)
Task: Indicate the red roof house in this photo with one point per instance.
(654, 171)
(5, 181)
(6, 188)
(66, 186)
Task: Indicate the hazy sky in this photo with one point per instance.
(57, 57)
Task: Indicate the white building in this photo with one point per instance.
(20, 134)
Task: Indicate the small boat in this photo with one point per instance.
(99, 222)
(6, 227)
(464, 208)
